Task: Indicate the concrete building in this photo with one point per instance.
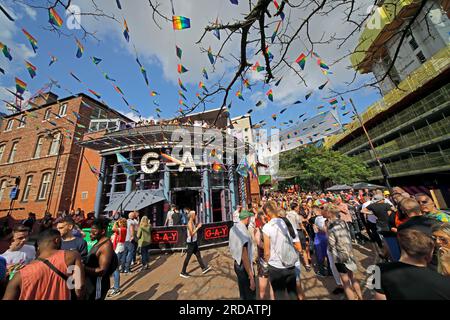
(410, 125)
(40, 158)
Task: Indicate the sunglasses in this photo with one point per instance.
(444, 241)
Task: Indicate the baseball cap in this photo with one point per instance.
(378, 197)
(245, 214)
(386, 193)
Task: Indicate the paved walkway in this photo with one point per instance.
(162, 280)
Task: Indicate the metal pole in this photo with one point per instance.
(377, 158)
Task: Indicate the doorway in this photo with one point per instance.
(186, 199)
(217, 210)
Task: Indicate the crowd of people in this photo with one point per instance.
(270, 240)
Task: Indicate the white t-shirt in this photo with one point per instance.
(239, 236)
(24, 255)
(273, 230)
(236, 216)
(131, 222)
(294, 218)
(370, 217)
(169, 218)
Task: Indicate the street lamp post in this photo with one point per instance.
(383, 169)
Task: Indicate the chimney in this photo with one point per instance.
(44, 98)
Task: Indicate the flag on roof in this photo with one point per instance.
(181, 69)
(20, 86)
(32, 40)
(6, 51)
(80, 49)
(269, 95)
(239, 95)
(180, 22)
(54, 18)
(301, 60)
(178, 51)
(205, 74)
(31, 69)
(277, 28)
(127, 166)
(181, 85)
(210, 56)
(126, 31)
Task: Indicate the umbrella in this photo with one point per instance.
(366, 185)
(339, 187)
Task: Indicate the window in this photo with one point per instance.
(37, 150)
(2, 151)
(84, 195)
(47, 114)
(22, 121)
(44, 186)
(54, 147)
(26, 191)
(2, 189)
(62, 110)
(9, 125)
(13, 152)
(421, 57)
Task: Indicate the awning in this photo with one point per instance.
(135, 200)
(339, 187)
(366, 185)
(263, 179)
(115, 202)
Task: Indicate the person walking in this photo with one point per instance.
(192, 246)
(144, 240)
(262, 266)
(130, 248)
(120, 233)
(241, 248)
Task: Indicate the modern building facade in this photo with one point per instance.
(410, 125)
(40, 158)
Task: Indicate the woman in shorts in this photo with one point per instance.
(262, 266)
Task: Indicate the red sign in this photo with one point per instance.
(216, 232)
(166, 236)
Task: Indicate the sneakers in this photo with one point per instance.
(184, 275)
(114, 292)
(206, 270)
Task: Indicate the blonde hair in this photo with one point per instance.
(122, 222)
(144, 221)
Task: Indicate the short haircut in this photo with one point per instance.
(68, 220)
(415, 243)
(21, 228)
(409, 206)
(47, 236)
(294, 205)
(100, 224)
(270, 206)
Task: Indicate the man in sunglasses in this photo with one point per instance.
(429, 208)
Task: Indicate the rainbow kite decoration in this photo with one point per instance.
(270, 55)
(181, 69)
(278, 7)
(6, 51)
(20, 86)
(269, 95)
(239, 95)
(274, 34)
(32, 40)
(181, 85)
(180, 23)
(54, 18)
(53, 59)
(322, 64)
(179, 52)
(205, 74)
(333, 101)
(95, 93)
(80, 48)
(201, 85)
(301, 60)
(126, 31)
(210, 56)
(31, 69)
(181, 94)
(247, 84)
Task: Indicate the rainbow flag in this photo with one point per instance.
(154, 93)
(179, 52)
(181, 69)
(201, 85)
(127, 166)
(6, 51)
(95, 93)
(181, 94)
(118, 89)
(205, 74)
(278, 8)
(54, 18)
(180, 23)
(257, 67)
(32, 40)
(20, 86)
(247, 84)
(269, 95)
(301, 60)
(274, 117)
(270, 55)
(333, 101)
(210, 56)
(217, 166)
(31, 69)
(80, 48)
(181, 85)
(107, 77)
(322, 64)
(277, 28)
(126, 31)
(239, 95)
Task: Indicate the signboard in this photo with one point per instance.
(14, 193)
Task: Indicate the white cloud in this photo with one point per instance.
(133, 116)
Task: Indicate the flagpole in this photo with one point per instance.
(382, 166)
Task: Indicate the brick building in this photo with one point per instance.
(40, 157)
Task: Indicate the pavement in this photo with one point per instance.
(162, 281)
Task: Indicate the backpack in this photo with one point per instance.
(287, 253)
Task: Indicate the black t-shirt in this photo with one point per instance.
(380, 210)
(76, 244)
(176, 218)
(401, 281)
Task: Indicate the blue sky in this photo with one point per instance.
(156, 49)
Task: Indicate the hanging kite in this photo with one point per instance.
(274, 34)
(6, 51)
(20, 86)
(181, 85)
(96, 60)
(32, 40)
(180, 23)
(301, 60)
(179, 52)
(269, 95)
(205, 74)
(53, 59)
(126, 31)
(181, 69)
(239, 95)
(95, 93)
(278, 8)
(54, 18)
(80, 49)
(323, 85)
(210, 56)
(31, 69)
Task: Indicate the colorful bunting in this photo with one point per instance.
(346, 113)
(297, 102)
(239, 95)
(278, 82)
(274, 117)
(217, 166)
(181, 69)
(80, 49)
(269, 95)
(6, 51)
(247, 84)
(216, 32)
(308, 95)
(236, 2)
(323, 85)
(181, 85)
(54, 18)
(75, 77)
(20, 86)
(281, 112)
(96, 60)
(53, 59)
(333, 101)
(257, 67)
(95, 93)
(278, 8)
(179, 52)
(205, 74)
(32, 40)
(118, 89)
(320, 107)
(180, 23)
(201, 85)
(2, 71)
(31, 69)
(127, 166)
(322, 64)
(270, 55)
(301, 60)
(274, 34)
(210, 56)
(181, 94)
(126, 31)
(154, 93)
(107, 77)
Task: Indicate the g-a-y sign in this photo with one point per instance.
(150, 162)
